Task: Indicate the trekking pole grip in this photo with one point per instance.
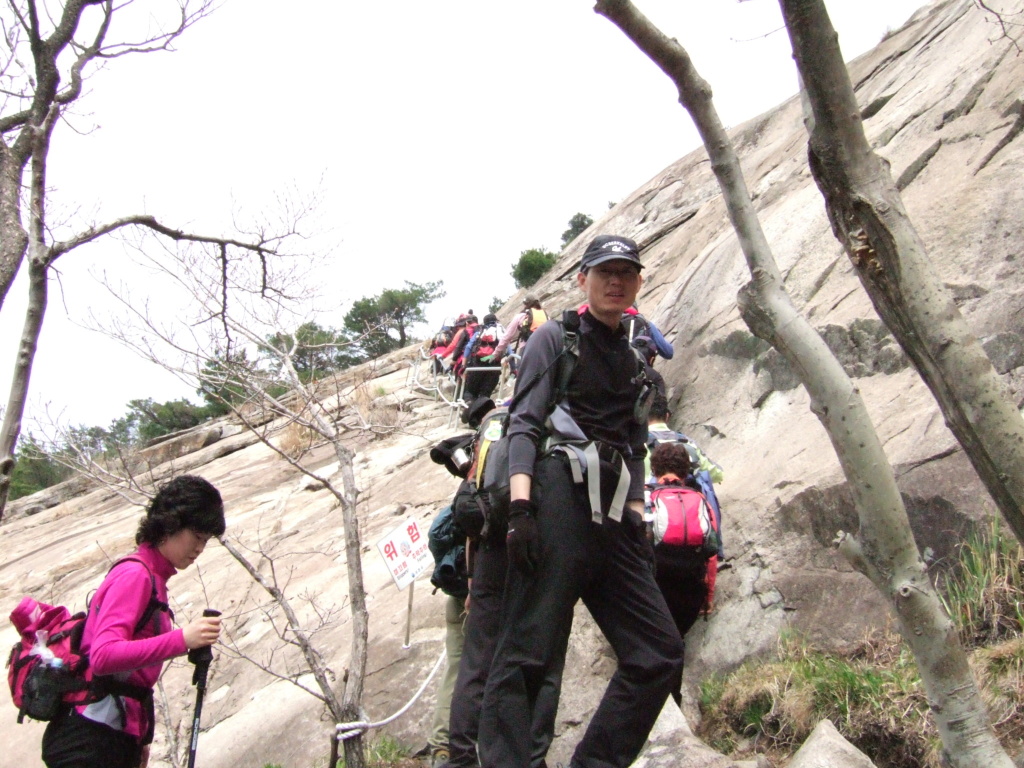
(202, 657)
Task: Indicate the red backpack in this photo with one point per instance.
(486, 342)
(683, 518)
(47, 670)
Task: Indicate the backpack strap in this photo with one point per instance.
(155, 603)
(583, 455)
(567, 438)
(570, 324)
(563, 364)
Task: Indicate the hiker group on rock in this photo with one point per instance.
(473, 352)
(576, 489)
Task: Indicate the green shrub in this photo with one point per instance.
(36, 467)
(872, 695)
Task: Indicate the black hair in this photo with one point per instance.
(659, 406)
(671, 457)
(184, 502)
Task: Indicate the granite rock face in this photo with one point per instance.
(941, 102)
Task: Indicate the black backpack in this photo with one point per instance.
(491, 473)
(443, 338)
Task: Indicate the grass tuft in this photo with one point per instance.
(873, 693)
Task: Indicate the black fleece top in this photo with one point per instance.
(602, 395)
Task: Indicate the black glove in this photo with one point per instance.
(523, 538)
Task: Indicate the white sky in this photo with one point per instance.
(443, 138)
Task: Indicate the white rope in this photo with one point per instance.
(348, 730)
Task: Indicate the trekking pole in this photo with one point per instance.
(201, 657)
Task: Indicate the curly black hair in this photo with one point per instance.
(671, 457)
(184, 502)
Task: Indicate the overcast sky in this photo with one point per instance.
(442, 139)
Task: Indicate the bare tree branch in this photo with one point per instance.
(37, 101)
(313, 659)
(150, 222)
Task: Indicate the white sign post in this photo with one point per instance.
(406, 555)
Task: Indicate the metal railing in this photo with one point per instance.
(424, 376)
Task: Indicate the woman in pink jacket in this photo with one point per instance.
(128, 633)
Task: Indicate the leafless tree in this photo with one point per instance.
(48, 49)
(245, 355)
(292, 632)
(1009, 23)
(870, 222)
(289, 617)
(884, 548)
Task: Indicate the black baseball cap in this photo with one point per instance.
(610, 248)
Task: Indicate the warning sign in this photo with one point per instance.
(406, 553)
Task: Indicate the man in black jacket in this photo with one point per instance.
(578, 536)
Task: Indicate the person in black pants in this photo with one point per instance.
(563, 545)
(483, 623)
(686, 581)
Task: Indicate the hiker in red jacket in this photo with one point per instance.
(115, 732)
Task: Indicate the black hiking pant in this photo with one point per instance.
(482, 627)
(73, 741)
(609, 567)
(682, 585)
(480, 383)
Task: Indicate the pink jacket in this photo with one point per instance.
(113, 649)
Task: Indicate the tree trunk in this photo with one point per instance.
(13, 238)
(869, 220)
(353, 695)
(11, 428)
(884, 547)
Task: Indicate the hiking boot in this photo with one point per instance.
(438, 758)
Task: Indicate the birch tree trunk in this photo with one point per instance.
(884, 548)
(353, 695)
(868, 218)
(10, 429)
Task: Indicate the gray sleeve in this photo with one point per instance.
(526, 422)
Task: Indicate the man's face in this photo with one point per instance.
(611, 287)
